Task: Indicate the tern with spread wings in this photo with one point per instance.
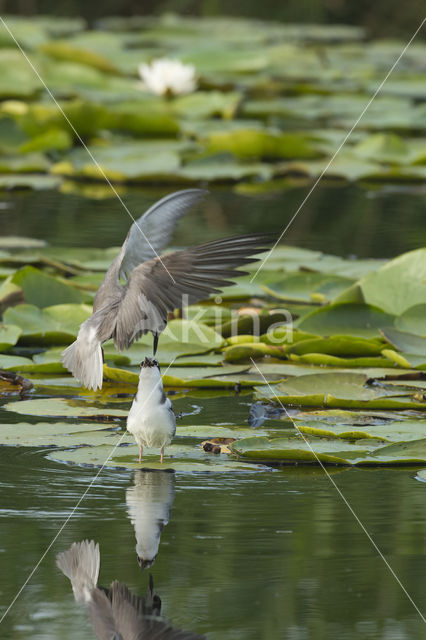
(155, 284)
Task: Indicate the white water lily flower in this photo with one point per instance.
(165, 76)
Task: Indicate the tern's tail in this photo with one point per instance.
(84, 358)
(80, 563)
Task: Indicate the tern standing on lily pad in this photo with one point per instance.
(154, 284)
(151, 419)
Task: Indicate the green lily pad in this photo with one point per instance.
(13, 363)
(301, 286)
(9, 336)
(413, 320)
(406, 342)
(61, 407)
(395, 287)
(359, 320)
(326, 360)
(337, 389)
(401, 453)
(58, 324)
(292, 449)
(384, 147)
(255, 143)
(397, 431)
(181, 338)
(29, 181)
(328, 451)
(53, 434)
(44, 290)
(348, 346)
(181, 458)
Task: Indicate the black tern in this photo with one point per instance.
(154, 284)
(151, 418)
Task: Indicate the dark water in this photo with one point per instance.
(254, 556)
(262, 555)
(344, 220)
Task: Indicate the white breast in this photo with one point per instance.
(151, 419)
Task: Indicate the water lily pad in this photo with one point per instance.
(326, 360)
(406, 342)
(29, 181)
(292, 449)
(327, 451)
(397, 431)
(51, 433)
(14, 363)
(58, 324)
(413, 320)
(9, 335)
(301, 286)
(254, 143)
(181, 338)
(61, 407)
(343, 390)
(44, 290)
(349, 346)
(352, 319)
(394, 287)
(181, 458)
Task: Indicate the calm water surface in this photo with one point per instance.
(257, 555)
(343, 220)
(262, 555)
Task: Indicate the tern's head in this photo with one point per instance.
(150, 363)
(145, 564)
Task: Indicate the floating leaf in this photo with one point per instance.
(413, 320)
(352, 319)
(60, 407)
(337, 389)
(44, 290)
(395, 287)
(301, 286)
(406, 342)
(9, 335)
(328, 451)
(58, 324)
(348, 346)
(181, 458)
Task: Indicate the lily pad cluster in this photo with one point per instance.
(327, 356)
(272, 101)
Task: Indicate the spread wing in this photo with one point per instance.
(147, 237)
(152, 232)
(180, 278)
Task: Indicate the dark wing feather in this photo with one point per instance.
(152, 232)
(197, 273)
(146, 238)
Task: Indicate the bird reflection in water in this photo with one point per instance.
(149, 504)
(115, 612)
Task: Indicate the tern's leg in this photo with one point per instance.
(140, 453)
(155, 343)
(162, 455)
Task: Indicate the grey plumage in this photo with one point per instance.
(115, 613)
(155, 285)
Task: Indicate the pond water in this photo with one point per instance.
(343, 220)
(255, 555)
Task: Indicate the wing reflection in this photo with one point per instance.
(149, 503)
(115, 612)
